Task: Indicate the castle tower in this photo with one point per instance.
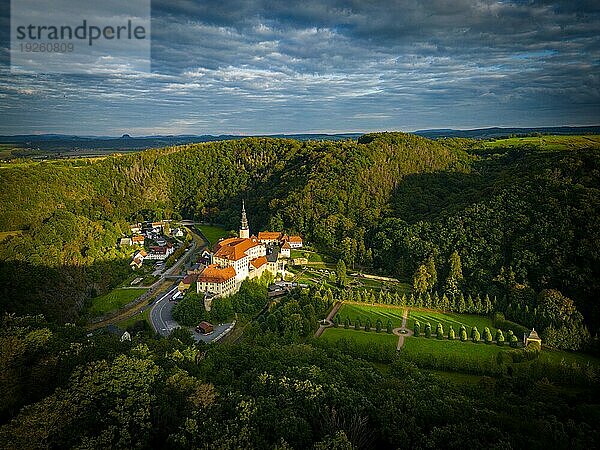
(244, 229)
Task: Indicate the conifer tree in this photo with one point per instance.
(427, 330)
(421, 280)
(499, 337)
(431, 270)
(439, 331)
(463, 333)
(451, 334)
(417, 328)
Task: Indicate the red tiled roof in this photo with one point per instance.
(137, 238)
(216, 274)
(295, 239)
(286, 245)
(269, 235)
(234, 249)
(258, 262)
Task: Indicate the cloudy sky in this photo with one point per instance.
(281, 66)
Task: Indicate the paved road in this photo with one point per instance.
(160, 314)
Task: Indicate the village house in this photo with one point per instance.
(286, 250)
(160, 252)
(138, 259)
(187, 282)
(137, 240)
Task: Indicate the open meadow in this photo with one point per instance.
(114, 300)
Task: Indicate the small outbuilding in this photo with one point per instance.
(204, 327)
(533, 337)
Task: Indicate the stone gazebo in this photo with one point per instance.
(533, 337)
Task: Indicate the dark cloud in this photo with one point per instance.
(291, 66)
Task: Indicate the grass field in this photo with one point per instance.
(372, 312)
(213, 232)
(113, 300)
(546, 142)
(143, 315)
(335, 334)
(417, 349)
(447, 319)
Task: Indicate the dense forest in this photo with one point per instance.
(390, 201)
(510, 233)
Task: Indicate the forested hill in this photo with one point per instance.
(391, 200)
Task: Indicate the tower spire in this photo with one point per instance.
(244, 229)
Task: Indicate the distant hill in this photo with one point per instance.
(497, 132)
(67, 146)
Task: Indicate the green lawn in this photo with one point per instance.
(384, 313)
(213, 232)
(113, 300)
(447, 319)
(143, 315)
(335, 334)
(551, 142)
(456, 355)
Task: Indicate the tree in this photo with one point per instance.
(451, 334)
(487, 304)
(340, 270)
(417, 328)
(427, 330)
(431, 271)
(378, 325)
(463, 333)
(389, 327)
(499, 337)
(347, 323)
(487, 336)
(475, 335)
(439, 331)
(421, 280)
(368, 324)
(357, 323)
(336, 321)
(455, 275)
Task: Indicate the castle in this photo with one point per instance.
(234, 260)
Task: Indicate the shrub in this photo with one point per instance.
(475, 336)
(514, 341)
(463, 333)
(347, 323)
(428, 330)
(439, 331)
(336, 321)
(451, 334)
(487, 336)
(368, 324)
(389, 327)
(499, 337)
(378, 326)
(357, 324)
(417, 328)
